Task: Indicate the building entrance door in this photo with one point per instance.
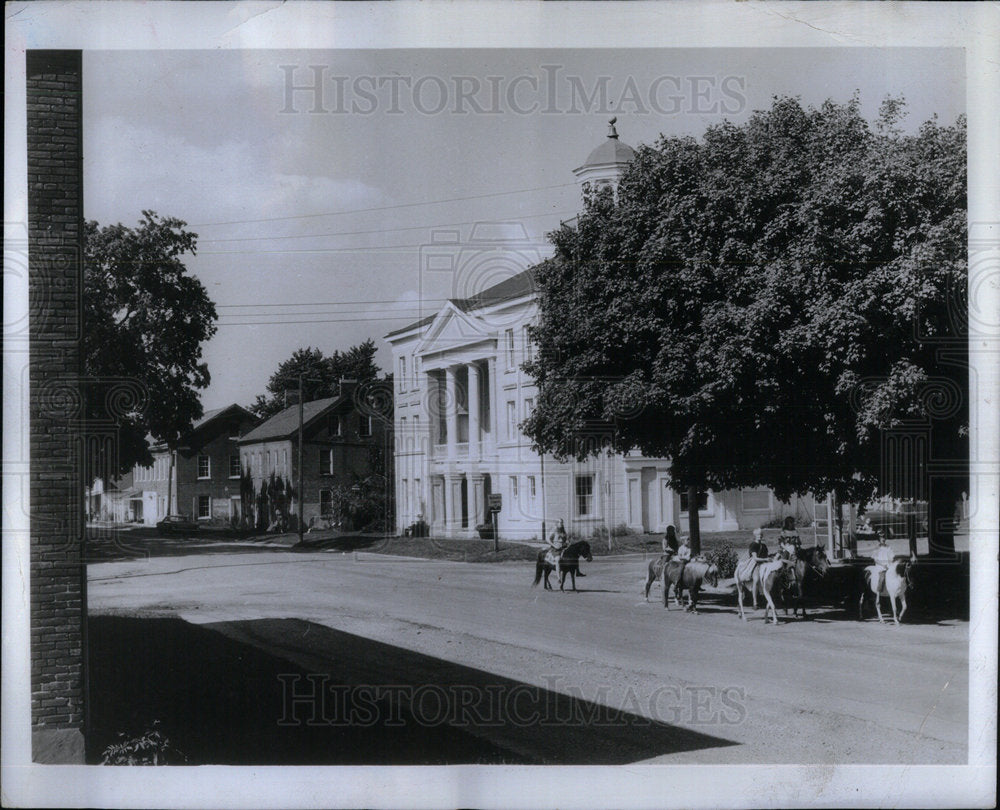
(649, 492)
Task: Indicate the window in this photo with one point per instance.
(702, 501)
(511, 419)
(234, 466)
(513, 488)
(509, 340)
(256, 464)
(284, 462)
(406, 496)
(333, 424)
(402, 373)
(417, 495)
(416, 431)
(529, 406)
(326, 502)
(365, 426)
(585, 495)
(270, 467)
(325, 461)
(531, 487)
(204, 467)
(204, 506)
(529, 347)
(756, 499)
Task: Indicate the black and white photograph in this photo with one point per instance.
(501, 405)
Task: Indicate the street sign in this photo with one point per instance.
(495, 501)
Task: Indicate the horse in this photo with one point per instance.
(654, 571)
(569, 564)
(766, 576)
(696, 571)
(807, 562)
(898, 579)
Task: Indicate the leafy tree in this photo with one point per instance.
(760, 305)
(321, 375)
(145, 320)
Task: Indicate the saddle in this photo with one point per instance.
(553, 557)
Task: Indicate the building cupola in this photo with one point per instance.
(605, 164)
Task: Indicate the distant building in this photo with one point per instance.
(460, 395)
(341, 446)
(207, 465)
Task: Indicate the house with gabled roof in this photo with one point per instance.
(342, 444)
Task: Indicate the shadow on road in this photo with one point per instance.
(226, 694)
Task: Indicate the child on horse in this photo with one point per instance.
(558, 543)
(789, 540)
(883, 559)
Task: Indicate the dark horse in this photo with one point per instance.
(808, 564)
(570, 564)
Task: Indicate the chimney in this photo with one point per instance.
(347, 386)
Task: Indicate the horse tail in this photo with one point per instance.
(538, 572)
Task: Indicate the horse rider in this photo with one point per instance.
(883, 559)
(558, 543)
(670, 543)
(789, 540)
(757, 554)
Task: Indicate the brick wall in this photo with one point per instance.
(55, 229)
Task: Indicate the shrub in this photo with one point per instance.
(725, 558)
(620, 530)
(149, 748)
(418, 529)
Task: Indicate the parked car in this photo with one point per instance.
(177, 524)
(894, 524)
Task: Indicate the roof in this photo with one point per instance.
(610, 152)
(208, 416)
(515, 286)
(284, 424)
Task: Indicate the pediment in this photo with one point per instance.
(453, 329)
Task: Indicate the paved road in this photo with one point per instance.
(721, 691)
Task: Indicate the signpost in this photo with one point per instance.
(495, 504)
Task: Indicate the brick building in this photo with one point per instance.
(55, 283)
(207, 465)
(341, 444)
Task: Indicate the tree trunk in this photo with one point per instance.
(694, 527)
(941, 517)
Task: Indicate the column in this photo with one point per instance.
(491, 386)
(473, 400)
(451, 415)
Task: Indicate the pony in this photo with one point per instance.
(696, 571)
(807, 563)
(899, 578)
(654, 572)
(569, 564)
(766, 576)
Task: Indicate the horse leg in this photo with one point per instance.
(739, 595)
(572, 576)
(892, 604)
(878, 607)
(649, 584)
(666, 590)
(902, 598)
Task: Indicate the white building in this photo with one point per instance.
(460, 395)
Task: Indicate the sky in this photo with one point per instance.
(322, 215)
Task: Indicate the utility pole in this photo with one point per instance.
(300, 493)
(543, 497)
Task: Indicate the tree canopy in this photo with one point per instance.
(145, 320)
(758, 305)
(322, 375)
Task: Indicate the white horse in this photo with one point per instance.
(764, 576)
(898, 579)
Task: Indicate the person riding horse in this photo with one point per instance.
(883, 559)
(789, 540)
(558, 542)
(670, 543)
(757, 554)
